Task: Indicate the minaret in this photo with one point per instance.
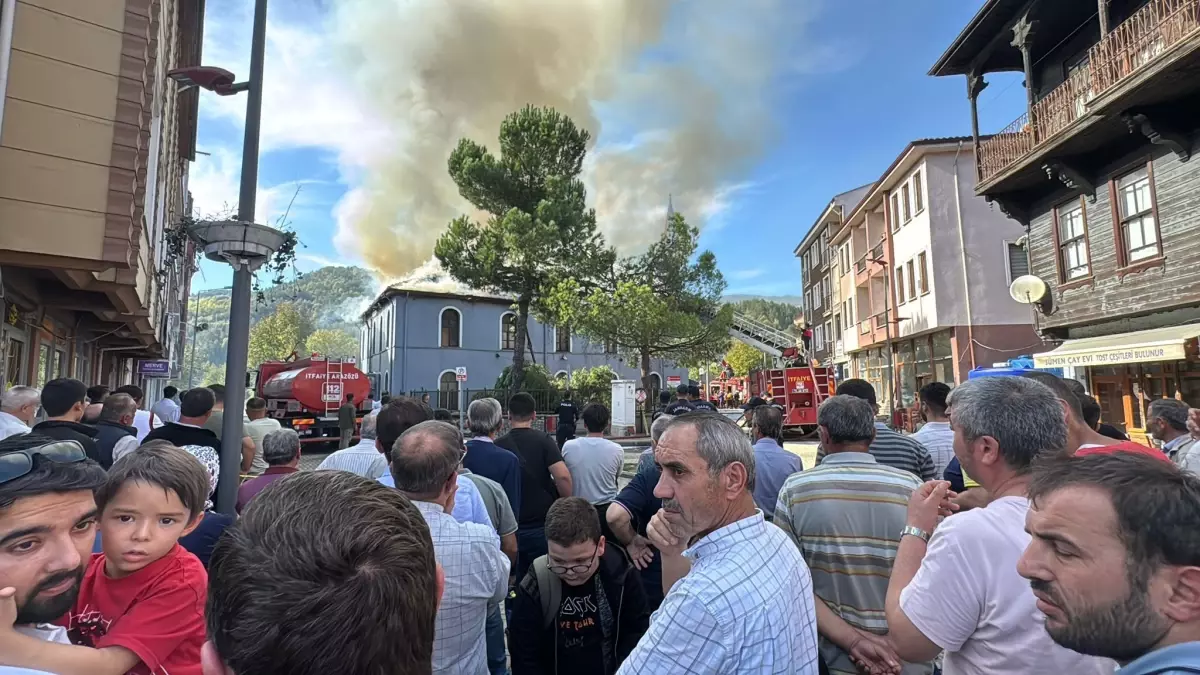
(670, 215)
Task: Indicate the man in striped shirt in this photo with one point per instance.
(365, 458)
(846, 516)
(889, 447)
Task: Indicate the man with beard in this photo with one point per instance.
(1114, 561)
(739, 596)
(47, 528)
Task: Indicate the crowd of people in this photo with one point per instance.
(1010, 535)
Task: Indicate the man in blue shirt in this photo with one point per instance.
(1114, 561)
(484, 457)
(772, 464)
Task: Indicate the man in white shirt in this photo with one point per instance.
(257, 426)
(425, 463)
(739, 595)
(960, 591)
(48, 526)
(18, 408)
(167, 409)
(362, 458)
(143, 420)
(936, 435)
(594, 461)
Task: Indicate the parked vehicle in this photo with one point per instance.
(305, 394)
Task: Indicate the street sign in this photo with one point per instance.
(460, 373)
(640, 395)
(154, 368)
(332, 392)
(674, 380)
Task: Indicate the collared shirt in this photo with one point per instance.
(1171, 446)
(746, 606)
(772, 467)
(362, 458)
(845, 516)
(938, 439)
(476, 575)
(1167, 661)
(167, 410)
(10, 425)
(900, 451)
(487, 459)
(468, 504)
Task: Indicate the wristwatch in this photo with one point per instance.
(915, 532)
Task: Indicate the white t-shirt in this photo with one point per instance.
(594, 464)
(47, 633)
(968, 599)
(145, 422)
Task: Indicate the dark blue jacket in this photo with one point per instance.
(107, 435)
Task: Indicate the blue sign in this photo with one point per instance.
(154, 368)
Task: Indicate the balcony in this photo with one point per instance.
(1143, 39)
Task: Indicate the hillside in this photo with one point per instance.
(781, 315)
(330, 297)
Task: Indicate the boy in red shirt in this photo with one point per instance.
(141, 604)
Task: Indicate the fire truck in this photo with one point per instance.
(305, 394)
(800, 390)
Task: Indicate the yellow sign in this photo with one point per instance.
(1111, 356)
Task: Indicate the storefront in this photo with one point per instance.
(1129, 370)
(918, 362)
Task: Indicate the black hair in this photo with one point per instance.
(1060, 388)
(443, 415)
(97, 393)
(934, 395)
(133, 390)
(47, 477)
(164, 465)
(218, 390)
(521, 407)
(664, 397)
(694, 391)
(572, 520)
(1091, 411)
(60, 395)
(595, 417)
(858, 389)
(197, 402)
(398, 416)
(169, 391)
(681, 390)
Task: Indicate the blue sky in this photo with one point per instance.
(852, 93)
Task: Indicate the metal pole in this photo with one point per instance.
(192, 365)
(239, 305)
(887, 327)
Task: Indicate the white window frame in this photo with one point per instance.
(460, 327)
(501, 341)
(554, 342)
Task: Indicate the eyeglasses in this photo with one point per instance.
(575, 569)
(18, 463)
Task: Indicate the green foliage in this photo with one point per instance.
(593, 384)
(537, 378)
(742, 358)
(278, 335)
(775, 314)
(539, 229)
(664, 303)
(333, 343)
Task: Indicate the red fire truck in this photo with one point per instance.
(800, 390)
(305, 394)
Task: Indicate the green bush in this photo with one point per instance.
(593, 384)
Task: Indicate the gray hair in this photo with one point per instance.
(281, 446)
(659, 426)
(425, 456)
(117, 406)
(484, 416)
(367, 431)
(1174, 413)
(1022, 414)
(847, 419)
(18, 397)
(719, 442)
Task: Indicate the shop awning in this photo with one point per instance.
(1159, 344)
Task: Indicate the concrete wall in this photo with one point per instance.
(915, 314)
(402, 346)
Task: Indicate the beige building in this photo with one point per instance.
(95, 145)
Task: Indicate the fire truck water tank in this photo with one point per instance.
(311, 385)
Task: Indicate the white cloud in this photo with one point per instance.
(746, 275)
(215, 184)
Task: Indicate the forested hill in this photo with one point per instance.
(326, 299)
(780, 315)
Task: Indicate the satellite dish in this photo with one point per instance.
(1031, 290)
(1027, 289)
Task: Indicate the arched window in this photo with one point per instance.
(451, 323)
(562, 338)
(561, 375)
(655, 382)
(448, 390)
(508, 331)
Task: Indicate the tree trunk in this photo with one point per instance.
(651, 400)
(646, 373)
(517, 374)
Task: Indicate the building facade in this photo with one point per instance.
(1098, 170)
(924, 268)
(414, 338)
(95, 144)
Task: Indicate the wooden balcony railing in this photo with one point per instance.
(1141, 39)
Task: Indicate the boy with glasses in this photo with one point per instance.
(580, 609)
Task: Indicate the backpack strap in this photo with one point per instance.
(549, 588)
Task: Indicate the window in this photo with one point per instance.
(907, 204)
(448, 390)
(923, 270)
(1139, 227)
(918, 193)
(895, 212)
(900, 285)
(508, 331)
(1018, 261)
(1073, 260)
(912, 282)
(562, 338)
(610, 347)
(451, 322)
(829, 335)
(819, 338)
(837, 326)
(850, 312)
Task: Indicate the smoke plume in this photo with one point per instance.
(683, 88)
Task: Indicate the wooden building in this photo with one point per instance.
(1099, 169)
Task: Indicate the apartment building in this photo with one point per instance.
(95, 145)
(925, 270)
(820, 272)
(1098, 169)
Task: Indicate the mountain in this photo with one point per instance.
(794, 300)
(768, 310)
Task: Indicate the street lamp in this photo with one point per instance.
(887, 328)
(241, 243)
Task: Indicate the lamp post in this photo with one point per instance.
(241, 243)
(887, 328)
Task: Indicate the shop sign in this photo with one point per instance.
(1112, 356)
